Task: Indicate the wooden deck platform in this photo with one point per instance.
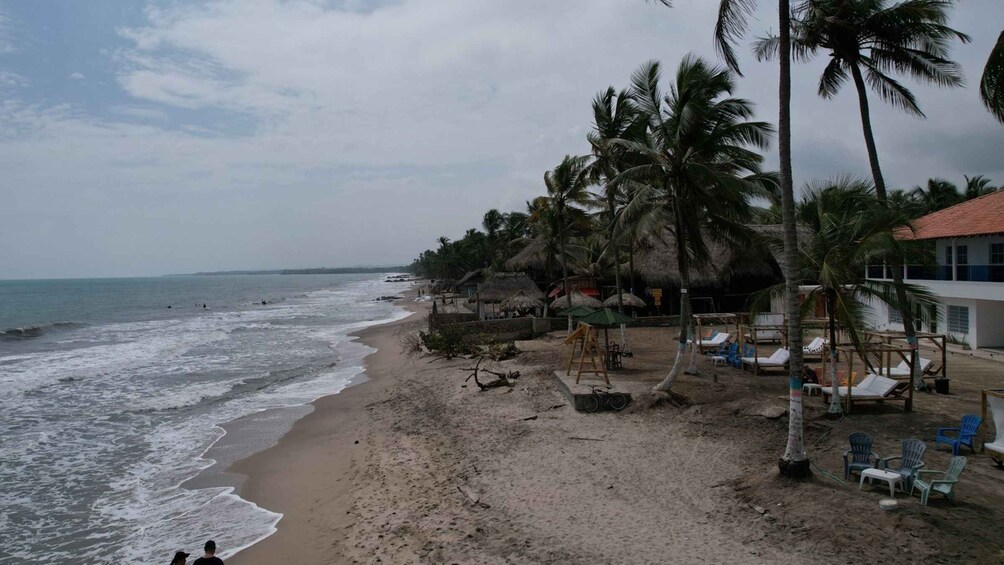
(577, 393)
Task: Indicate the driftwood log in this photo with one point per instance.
(501, 379)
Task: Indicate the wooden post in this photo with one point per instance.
(850, 380)
(944, 362)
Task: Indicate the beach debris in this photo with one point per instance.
(501, 379)
(586, 438)
(555, 407)
(472, 496)
(758, 509)
(528, 418)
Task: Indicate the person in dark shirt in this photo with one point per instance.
(210, 557)
(179, 558)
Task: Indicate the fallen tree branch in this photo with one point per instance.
(501, 379)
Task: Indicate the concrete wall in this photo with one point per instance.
(989, 323)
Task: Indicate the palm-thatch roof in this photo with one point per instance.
(577, 299)
(656, 259)
(471, 276)
(629, 300)
(520, 301)
(500, 286)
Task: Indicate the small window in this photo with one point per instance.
(997, 253)
(895, 316)
(958, 319)
(948, 255)
(962, 254)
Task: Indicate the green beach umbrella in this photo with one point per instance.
(578, 311)
(605, 318)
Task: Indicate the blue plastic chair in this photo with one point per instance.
(910, 461)
(860, 456)
(964, 434)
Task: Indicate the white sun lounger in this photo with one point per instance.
(903, 369)
(778, 360)
(996, 447)
(873, 387)
(715, 342)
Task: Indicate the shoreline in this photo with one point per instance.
(271, 478)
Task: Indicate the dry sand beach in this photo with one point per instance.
(388, 471)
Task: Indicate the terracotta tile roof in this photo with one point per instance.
(979, 216)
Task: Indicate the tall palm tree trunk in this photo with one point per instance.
(564, 278)
(836, 408)
(617, 279)
(685, 317)
(794, 462)
(880, 192)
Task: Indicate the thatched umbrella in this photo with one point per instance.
(629, 300)
(500, 286)
(520, 302)
(577, 299)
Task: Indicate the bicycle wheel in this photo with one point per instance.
(618, 401)
(591, 403)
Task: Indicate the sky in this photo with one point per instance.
(150, 137)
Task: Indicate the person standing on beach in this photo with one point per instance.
(210, 557)
(179, 558)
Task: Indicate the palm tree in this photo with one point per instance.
(977, 186)
(693, 168)
(567, 188)
(493, 221)
(444, 262)
(869, 39)
(614, 117)
(937, 195)
(992, 84)
(733, 20)
(850, 231)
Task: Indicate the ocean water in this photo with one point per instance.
(109, 401)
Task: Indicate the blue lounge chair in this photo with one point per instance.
(963, 435)
(860, 456)
(910, 461)
(940, 481)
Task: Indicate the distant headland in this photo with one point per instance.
(314, 271)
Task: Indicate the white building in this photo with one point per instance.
(968, 277)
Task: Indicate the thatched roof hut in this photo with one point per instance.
(577, 299)
(519, 302)
(629, 300)
(500, 286)
(656, 261)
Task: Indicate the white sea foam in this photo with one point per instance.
(102, 435)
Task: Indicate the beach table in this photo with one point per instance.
(882, 475)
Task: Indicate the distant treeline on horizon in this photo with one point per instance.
(317, 271)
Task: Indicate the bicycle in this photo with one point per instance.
(601, 398)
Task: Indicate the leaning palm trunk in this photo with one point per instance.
(836, 408)
(681, 254)
(902, 301)
(617, 281)
(794, 462)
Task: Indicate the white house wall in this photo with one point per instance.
(990, 323)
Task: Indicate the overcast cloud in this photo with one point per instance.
(147, 138)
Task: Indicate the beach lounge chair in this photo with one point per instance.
(994, 400)
(777, 360)
(939, 481)
(963, 435)
(714, 342)
(872, 388)
(903, 369)
(814, 347)
(860, 456)
(910, 460)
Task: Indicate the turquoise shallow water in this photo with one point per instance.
(110, 399)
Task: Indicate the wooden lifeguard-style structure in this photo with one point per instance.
(726, 319)
(938, 341)
(585, 339)
(869, 350)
